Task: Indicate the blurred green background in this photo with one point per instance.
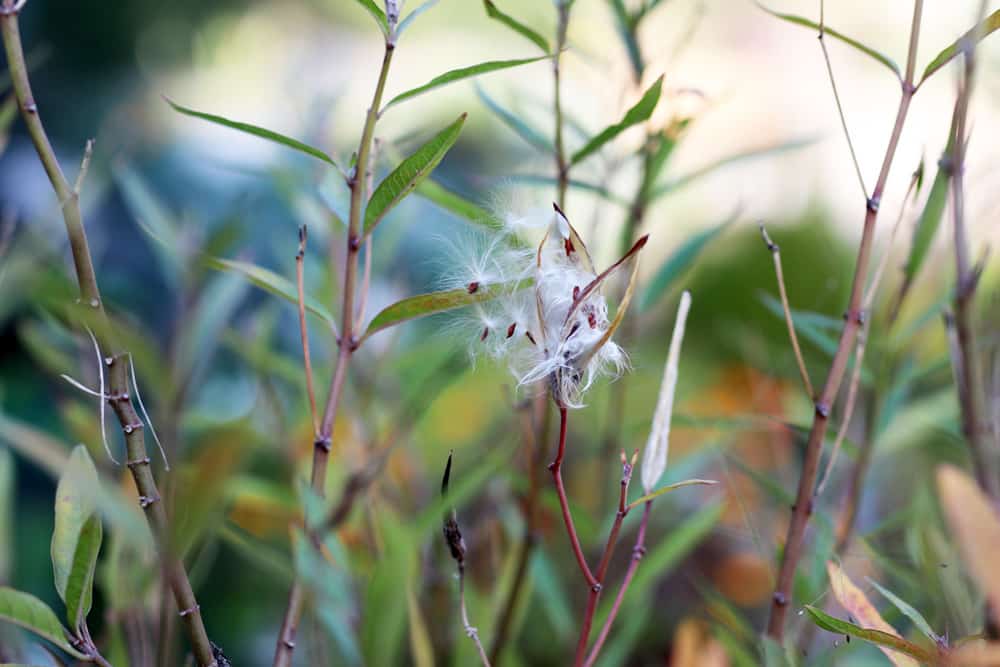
(219, 361)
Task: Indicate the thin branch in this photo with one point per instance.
(303, 327)
(471, 632)
(609, 549)
(776, 255)
(88, 153)
(109, 351)
(285, 644)
(859, 350)
(638, 551)
(836, 98)
(556, 469)
(802, 509)
(562, 165)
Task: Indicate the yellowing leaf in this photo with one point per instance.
(76, 502)
(974, 523)
(864, 612)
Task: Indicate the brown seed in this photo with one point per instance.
(530, 337)
(486, 332)
(510, 329)
(473, 287)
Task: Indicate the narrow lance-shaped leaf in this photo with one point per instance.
(882, 639)
(976, 34)
(678, 263)
(256, 131)
(668, 488)
(80, 585)
(405, 23)
(836, 34)
(410, 172)
(35, 616)
(494, 13)
(930, 219)
(76, 502)
(626, 25)
(640, 112)
(437, 302)
(271, 282)
(907, 610)
(976, 526)
(456, 204)
(459, 74)
(519, 126)
(856, 602)
(654, 458)
(377, 14)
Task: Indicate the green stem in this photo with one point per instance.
(115, 358)
(562, 166)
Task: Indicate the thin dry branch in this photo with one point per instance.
(300, 259)
(776, 255)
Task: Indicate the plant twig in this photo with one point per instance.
(113, 356)
(836, 98)
(609, 548)
(556, 469)
(638, 551)
(861, 344)
(300, 258)
(776, 255)
(968, 371)
(802, 509)
(285, 644)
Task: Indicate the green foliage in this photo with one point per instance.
(827, 30)
(458, 75)
(35, 616)
(257, 131)
(638, 113)
(376, 13)
(76, 502)
(410, 173)
(677, 263)
(520, 28)
(975, 34)
(835, 625)
(80, 583)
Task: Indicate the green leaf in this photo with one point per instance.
(514, 122)
(404, 24)
(687, 179)
(154, 218)
(456, 204)
(410, 172)
(8, 488)
(907, 610)
(377, 14)
(837, 626)
(668, 488)
(256, 131)
(974, 35)
(799, 20)
(930, 218)
(34, 615)
(682, 258)
(458, 75)
(626, 25)
(437, 302)
(494, 13)
(272, 282)
(80, 584)
(639, 113)
(76, 501)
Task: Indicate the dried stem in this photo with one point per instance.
(836, 98)
(638, 551)
(556, 469)
(470, 631)
(114, 357)
(968, 371)
(300, 259)
(802, 509)
(776, 254)
(285, 645)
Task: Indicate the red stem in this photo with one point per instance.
(556, 468)
(638, 551)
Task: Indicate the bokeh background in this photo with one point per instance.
(219, 360)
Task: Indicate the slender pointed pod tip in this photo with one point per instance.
(447, 473)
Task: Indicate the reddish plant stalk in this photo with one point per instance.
(556, 468)
(802, 509)
(638, 551)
